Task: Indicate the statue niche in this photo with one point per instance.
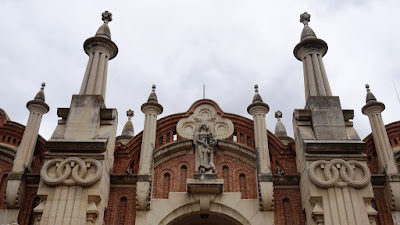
(204, 142)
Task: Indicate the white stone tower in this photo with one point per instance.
(75, 178)
(335, 182)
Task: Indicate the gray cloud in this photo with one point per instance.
(227, 45)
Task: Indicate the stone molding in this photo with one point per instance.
(71, 171)
(339, 173)
(220, 127)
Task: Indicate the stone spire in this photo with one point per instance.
(104, 30)
(370, 97)
(128, 130)
(23, 159)
(100, 49)
(258, 109)
(310, 51)
(307, 31)
(280, 130)
(153, 95)
(257, 96)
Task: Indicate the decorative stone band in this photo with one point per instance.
(70, 171)
(339, 173)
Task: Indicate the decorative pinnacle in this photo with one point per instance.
(305, 18)
(106, 16)
(256, 88)
(367, 87)
(278, 115)
(153, 88)
(130, 113)
(43, 85)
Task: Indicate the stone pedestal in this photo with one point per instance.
(335, 181)
(75, 179)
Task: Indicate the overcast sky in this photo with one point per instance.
(180, 45)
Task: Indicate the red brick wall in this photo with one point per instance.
(287, 207)
(121, 206)
(25, 216)
(174, 168)
(379, 204)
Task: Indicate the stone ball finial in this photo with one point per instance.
(130, 113)
(278, 115)
(256, 87)
(305, 18)
(367, 87)
(106, 16)
(43, 85)
(153, 87)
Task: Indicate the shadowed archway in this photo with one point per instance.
(204, 219)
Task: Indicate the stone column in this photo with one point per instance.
(22, 162)
(387, 163)
(310, 51)
(151, 109)
(258, 109)
(100, 49)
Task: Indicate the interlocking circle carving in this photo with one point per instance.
(70, 171)
(339, 173)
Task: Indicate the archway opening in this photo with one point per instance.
(206, 218)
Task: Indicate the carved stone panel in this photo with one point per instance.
(220, 128)
(339, 173)
(71, 171)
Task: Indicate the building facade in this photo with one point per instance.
(202, 166)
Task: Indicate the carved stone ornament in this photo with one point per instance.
(339, 173)
(220, 127)
(70, 171)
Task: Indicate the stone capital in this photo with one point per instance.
(37, 106)
(373, 108)
(152, 108)
(258, 108)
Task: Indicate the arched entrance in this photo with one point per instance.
(204, 219)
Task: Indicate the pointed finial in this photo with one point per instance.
(153, 95)
(43, 85)
(278, 115)
(130, 113)
(257, 96)
(106, 16)
(40, 94)
(370, 97)
(305, 18)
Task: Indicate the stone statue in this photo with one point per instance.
(204, 147)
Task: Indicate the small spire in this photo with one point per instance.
(280, 130)
(257, 96)
(370, 97)
(40, 94)
(128, 128)
(307, 31)
(104, 30)
(153, 95)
